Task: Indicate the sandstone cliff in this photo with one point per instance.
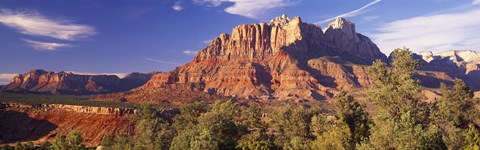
(283, 59)
(41, 81)
(41, 123)
(458, 64)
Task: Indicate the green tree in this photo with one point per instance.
(472, 139)
(254, 136)
(60, 143)
(73, 141)
(393, 91)
(152, 131)
(297, 143)
(289, 122)
(183, 140)
(401, 120)
(352, 113)
(337, 137)
(123, 142)
(107, 142)
(216, 129)
(454, 111)
(319, 124)
(411, 134)
(456, 106)
(25, 146)
(256, 140)
(188, 115)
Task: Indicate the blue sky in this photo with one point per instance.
(121, 36)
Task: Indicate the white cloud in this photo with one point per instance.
(46, 45)
(5, 78)
(160, 61)
(189, 52)
(177, 6)
(445, 31)
(249, 8)
(120, 75)
(476, 2)
(33, 23)
(351, 13)
(369, 18)
(207, 41)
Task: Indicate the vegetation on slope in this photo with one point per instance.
(38, 99)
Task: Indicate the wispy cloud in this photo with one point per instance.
(160, 61)
(34, 23)
(178, 6)
(444, 31)
(476, 2)
(207, 41)
(248, 8)
(5, 78)
(120, 75)
(369, 18)
(351, 13)
(189, 52)
(46, 45)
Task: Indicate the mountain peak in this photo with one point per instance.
(342, 24)
(283, 19)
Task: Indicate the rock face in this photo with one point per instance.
(42, 123)
(283, 59)
(460, 64)
(41, 81)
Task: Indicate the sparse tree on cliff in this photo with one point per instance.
(73, 141)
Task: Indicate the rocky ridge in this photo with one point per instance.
(41, 81)
(463, 64)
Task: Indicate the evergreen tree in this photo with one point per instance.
(352, 113)
(472, 139)
(337, 137)
(253, 130)
(123, 142)
(188, 116)
(401, 120)
(216, 129)
(393, 91)
(107, 142)
(456, 106)
(289, 122)
(60, 143)
(73, 141)
(152, 131)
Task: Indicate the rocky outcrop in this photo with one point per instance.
(458, 64)
(283, 59)
(41, 81)
(42, 123)
(342, 34)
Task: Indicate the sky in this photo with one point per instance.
(122, 36)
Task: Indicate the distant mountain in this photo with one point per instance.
(456, 63)
(41, 81)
